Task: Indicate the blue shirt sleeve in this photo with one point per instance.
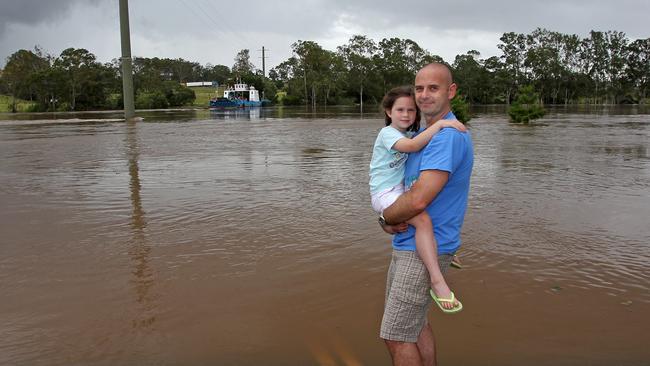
(440, 153)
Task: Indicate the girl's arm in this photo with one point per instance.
(407, 145)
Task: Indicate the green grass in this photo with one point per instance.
(21, 105)
(204, 94)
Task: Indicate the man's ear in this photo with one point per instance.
(452, 90)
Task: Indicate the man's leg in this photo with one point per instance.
(405, 321)
(427, 346)
(404, 353)
(421, 353)
(426, 341)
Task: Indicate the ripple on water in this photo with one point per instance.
(139, 218)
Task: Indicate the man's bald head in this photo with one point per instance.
(434, 89)
(441, 70)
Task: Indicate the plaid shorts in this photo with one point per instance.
(407, 296)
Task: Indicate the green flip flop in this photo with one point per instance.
(455, 309)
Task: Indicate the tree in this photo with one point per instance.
(460, 108)
(358, 55)
(513, 47)
(638, 70)
(77, 64)
(618, 54)
(218, 73)
(498, 80)
(595, 58)
(287, 77)
(543, 61)
(182, 70)
(151, 100)
(571, 62)
(391, 63)
(468, 74)
(317, 69)
(397, 60)
(177, 94)
(243, 64)
(527, 106)
(19, 72)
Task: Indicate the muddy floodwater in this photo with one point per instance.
(247, 238)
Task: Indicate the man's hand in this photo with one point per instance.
(394, 229)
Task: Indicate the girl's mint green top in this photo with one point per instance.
(386, 165)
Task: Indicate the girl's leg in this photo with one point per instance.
(427, 248)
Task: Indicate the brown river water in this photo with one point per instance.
(247, 238)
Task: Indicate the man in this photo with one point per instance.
(437, 179)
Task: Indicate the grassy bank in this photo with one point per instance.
(204, 94)
(21, 105)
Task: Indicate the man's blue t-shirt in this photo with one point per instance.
(449, 150)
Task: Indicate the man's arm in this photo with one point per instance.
(418, 142)
(416, 200)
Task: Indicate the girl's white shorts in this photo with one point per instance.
(383, 199)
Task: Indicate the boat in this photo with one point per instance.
(237, 96)
(223, 103)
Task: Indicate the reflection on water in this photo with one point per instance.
(246, 237)
(628, 152)
(140, 251)
(238, 113)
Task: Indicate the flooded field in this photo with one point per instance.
(247, 238)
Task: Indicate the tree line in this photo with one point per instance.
(75, 80)
(603, 67)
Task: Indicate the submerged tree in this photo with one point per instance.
(527, 106)
(460, 107)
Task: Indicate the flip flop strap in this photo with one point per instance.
(451, 299)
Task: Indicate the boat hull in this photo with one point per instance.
(234, 103)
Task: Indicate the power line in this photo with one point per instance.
(228, 27)
(203, 16)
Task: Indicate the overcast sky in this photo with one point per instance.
(211, 31)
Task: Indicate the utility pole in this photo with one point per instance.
(263, 62)
(263, 68)
(264, 57)
(127, 66)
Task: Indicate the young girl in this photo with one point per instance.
(387, 174)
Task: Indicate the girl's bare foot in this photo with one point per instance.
(442, 291)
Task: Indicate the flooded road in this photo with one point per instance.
(247, 238)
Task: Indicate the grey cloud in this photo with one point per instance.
(308, 18)
(162, 26)
(33, 11)
(566, 16)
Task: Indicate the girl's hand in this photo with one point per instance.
(394, 229)
(451, 123)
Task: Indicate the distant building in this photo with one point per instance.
(202, 83)
(166, 75)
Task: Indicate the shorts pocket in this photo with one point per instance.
(411, 282)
